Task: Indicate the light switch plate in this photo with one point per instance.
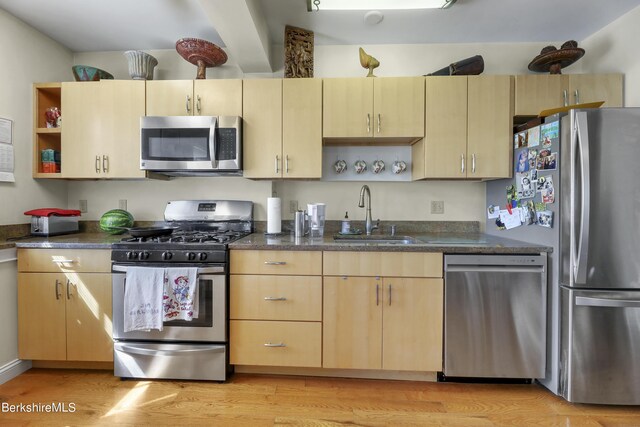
(293, 206)
(83, 206)
(122, 204)
(437, 206)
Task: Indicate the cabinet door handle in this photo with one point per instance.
(63, 261)
(277, 164)
(377, 294)
(198, 103)
(379, 122)
(286, 163)
(68, 289)
(105, 164)
(97, 164)
(368, 123)
(57, 289)
(473, 163)
(280, 344)
(564, 97)
(389, 294)
(275, 299)
(576, 95)
(275, 262)
(188, 104)
(461, 163)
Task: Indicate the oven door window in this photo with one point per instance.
(205, 308)
(187, 144)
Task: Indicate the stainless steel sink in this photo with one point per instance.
(377, 239)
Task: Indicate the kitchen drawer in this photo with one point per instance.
(276, 262)
(276, 297)
(269, 343)
(396, 264)
(56, 260)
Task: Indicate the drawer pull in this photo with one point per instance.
(63, 261)
(275, 299)
(275, 263)
(280, 344)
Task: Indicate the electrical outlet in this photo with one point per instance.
(122, 204)
(437, 206)
(83, 206)
(293, 206)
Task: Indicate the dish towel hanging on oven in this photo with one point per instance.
(143, 294)
(180, 294)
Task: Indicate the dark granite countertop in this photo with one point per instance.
(425, 242)
(68, 241)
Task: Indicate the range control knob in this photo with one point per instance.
(143, 255)
(191, 256)
(202, 256)
(167, 256)
(132, 255)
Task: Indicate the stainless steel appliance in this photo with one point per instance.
(196, 349)
(191, 145)
(495, 316)
(594, 293)
(52, 221)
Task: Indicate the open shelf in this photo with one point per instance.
(45, 95)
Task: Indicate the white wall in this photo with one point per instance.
(27, 57)
(463, 200)
(614, 49)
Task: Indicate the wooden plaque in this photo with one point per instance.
(298, 52)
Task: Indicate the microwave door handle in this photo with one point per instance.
(213, 143)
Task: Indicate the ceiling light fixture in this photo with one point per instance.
(316, 5)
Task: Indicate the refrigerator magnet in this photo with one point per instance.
(548, 195)
(544, 182)
(545, 218)
(522, 165)
(493, 211)
(533, 139)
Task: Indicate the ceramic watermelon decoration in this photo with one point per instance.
(113, 221)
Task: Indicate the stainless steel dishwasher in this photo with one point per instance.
(495, 316)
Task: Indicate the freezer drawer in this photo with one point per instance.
(170, 361)
(495, 316)
(600, 347)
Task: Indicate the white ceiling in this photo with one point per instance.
(113, 25)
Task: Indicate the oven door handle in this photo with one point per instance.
(201, 271)
(157, 352)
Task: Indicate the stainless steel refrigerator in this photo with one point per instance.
(593, 339)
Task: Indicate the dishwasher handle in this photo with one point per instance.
(494, 269)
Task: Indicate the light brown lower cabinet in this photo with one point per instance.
(389, 323)
(275, 307)
(64, 313)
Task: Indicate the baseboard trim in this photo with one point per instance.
(340, 373)
(13, 369)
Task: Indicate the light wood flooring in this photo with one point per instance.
(258, 400)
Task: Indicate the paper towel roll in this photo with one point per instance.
(274, 215)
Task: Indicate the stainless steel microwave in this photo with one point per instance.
(191, 145)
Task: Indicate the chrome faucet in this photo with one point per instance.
(368, 222)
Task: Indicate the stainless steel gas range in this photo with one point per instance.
(184, 349)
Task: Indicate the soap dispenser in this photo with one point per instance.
(346, 224)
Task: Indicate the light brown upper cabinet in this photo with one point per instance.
(468, 128)
(388, 108)
(282, 127)
(535, 93)
(101, 137)
(194, 97)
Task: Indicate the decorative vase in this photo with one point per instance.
(141, 64)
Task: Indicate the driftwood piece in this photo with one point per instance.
(298, 52)
(466, 67)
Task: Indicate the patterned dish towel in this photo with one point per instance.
(180, 299)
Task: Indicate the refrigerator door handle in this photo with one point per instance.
(607, 302)
(582, 250)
